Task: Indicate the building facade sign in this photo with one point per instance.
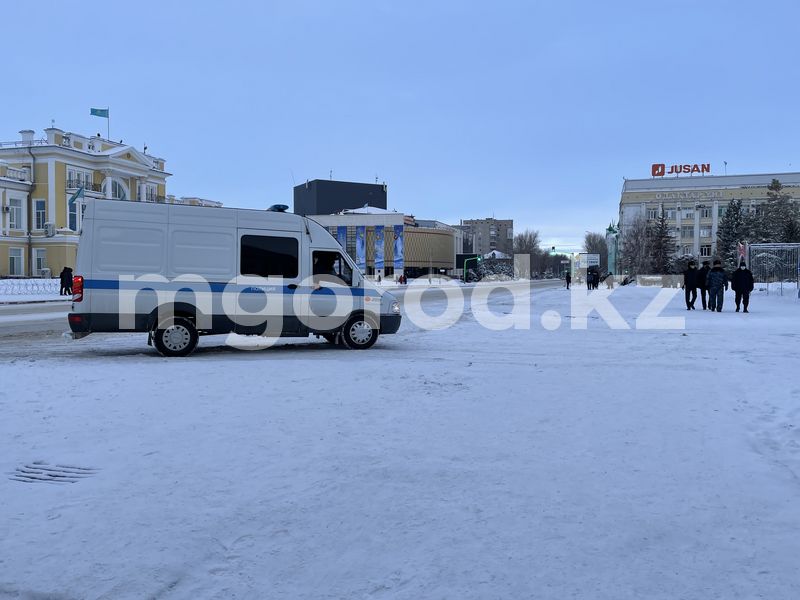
(379, 265)
(361, 248)
(584, 260)
(399, 242)
(660, 169)
(689, 195)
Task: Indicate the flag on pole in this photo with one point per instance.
(76, 195)
(103, 112)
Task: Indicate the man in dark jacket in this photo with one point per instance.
(690, 285)
(702, 273)
(742, 284)
(717, 283)
(568, 279)
(66, 281)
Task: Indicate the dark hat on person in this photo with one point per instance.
(742, 264)
(717, 261)
(705, 262)
(691, 262)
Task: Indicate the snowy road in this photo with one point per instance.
(460, 463)
(41, 318)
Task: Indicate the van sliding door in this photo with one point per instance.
(269, 273)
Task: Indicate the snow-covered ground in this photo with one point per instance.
(460, 463)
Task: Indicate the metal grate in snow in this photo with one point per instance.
(40, 471)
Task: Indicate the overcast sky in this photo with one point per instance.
(527, 110)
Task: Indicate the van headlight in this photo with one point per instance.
(396, 307)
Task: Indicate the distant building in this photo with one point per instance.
(194, 201)
(39, 226)
(426, 245)
(481, 236)
(694, 206)
(326, 197)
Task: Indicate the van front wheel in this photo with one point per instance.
(179, 338)
(359, 333)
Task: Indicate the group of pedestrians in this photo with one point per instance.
(713, 281)
(593, 280)
(66, 282)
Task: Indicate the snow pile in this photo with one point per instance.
(26, 287)
(498, 277)
(17, 290)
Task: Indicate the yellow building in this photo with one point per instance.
(39, 227)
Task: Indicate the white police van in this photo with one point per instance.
(178, 272)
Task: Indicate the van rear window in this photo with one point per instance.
(269, 256)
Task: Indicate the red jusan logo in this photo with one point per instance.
(660, 169)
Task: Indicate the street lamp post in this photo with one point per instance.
(477, 259)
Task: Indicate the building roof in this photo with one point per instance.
(708, 182)
(368, 210)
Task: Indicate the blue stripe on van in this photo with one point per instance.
(214, 286)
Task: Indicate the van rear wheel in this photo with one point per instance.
(359, 333)
(179, 338)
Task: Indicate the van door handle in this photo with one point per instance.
(292, 286)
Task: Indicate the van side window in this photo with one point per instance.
(269, 256)
(330, 266)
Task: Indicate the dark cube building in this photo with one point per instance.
(326, 197)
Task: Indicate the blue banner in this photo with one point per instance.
(399, 249)
(361, 248)
(341, 236)
(378, 247)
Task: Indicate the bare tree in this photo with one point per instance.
(595, 243)
(528, 242)
(635, 246)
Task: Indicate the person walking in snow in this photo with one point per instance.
(568, 279)
(702, 274)
(690, 285)
(742, 284)
(717, 283)
(66, 281)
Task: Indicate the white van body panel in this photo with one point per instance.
(136, 257)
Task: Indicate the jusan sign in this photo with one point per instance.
(660, 169)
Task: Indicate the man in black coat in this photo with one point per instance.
(742, 284)
(66, 281)
(568, 279)
(702, 273)
(690, 285)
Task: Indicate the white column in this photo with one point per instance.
(107, 183)
(696, 232)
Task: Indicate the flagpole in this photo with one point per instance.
(108, 123)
